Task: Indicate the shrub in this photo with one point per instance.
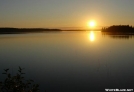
(17, 83)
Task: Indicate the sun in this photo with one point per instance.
(92, 24)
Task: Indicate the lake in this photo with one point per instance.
(71, 61)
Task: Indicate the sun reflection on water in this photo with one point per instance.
(91, 36)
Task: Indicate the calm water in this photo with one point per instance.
(71, 61)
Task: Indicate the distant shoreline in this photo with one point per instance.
(26, 30)
(119, 28)
(8, 30)
(114, 28)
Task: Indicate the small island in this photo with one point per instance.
(119, 28)
(26, 30)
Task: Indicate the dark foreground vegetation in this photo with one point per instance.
(25, 30)
(17, 83)
(119, 28)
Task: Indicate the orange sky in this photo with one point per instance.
(65, 13)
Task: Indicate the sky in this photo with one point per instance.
(65, 13)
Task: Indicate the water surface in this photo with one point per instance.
(70, 61)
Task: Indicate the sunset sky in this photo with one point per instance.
(65, 13)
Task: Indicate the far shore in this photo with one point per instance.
(7, 30)
(113, 29)
(119, 28)
(26, 30)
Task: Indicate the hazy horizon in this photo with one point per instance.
(62, 28)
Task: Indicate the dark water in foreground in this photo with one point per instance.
(71, 61)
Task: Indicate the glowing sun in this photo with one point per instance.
(92, 24)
